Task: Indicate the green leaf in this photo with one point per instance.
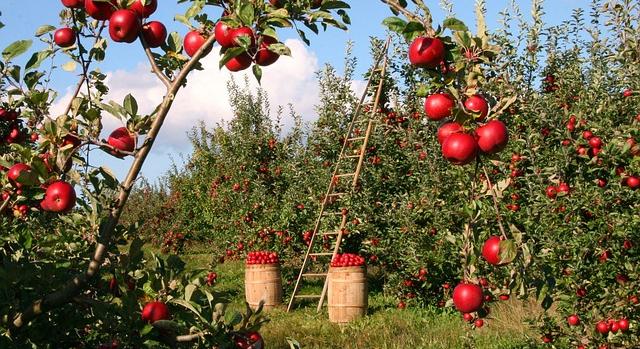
(44, 29)
(230, 53)
(246, 13)
(257, 72)
(508, 251)
(455, 24)
(188, 291)
(395, 24)
(37, 59)
(130, 105)
(15, 49)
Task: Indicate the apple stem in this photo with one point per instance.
(79, 282)
(154, 67)
(495, 202)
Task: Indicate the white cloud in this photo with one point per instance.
(291, 80)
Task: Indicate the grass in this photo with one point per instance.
(385, 327)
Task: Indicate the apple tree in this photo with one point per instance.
(72, 275)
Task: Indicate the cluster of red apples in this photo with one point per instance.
(126, 25)
(262, 257)
(347, 260)
(459, 145)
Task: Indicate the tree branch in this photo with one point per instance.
(5, 204)
(79, 282)
(85, 69)
(426, 23)
(495, 203)
(154, 67)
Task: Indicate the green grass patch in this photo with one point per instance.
(385, 327)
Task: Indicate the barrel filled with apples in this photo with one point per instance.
(347, 293)
(263, 280)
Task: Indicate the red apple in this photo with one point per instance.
(223, 34)
(467, 297)
(154, 33)
(264, 57)
(251, 340)
(623, 324)
(439, 106)
(448, 129)
(238, 63)
(101, 11)
(587, 134)
(122, 140)
(595, 142)
(60, 197)
(491, 250)
(460, 148)
(193, 41)
(73, 3)
(492, 137)
(426, 52)
(20, 170)
(603, 327)
(64, 37)
(144, 8)
(573, 320)
(242, 31)
(155, 311)
(633, 182)
(477, 105)
(124, 26)
(551, 192)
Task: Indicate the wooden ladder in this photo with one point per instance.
(331, 196)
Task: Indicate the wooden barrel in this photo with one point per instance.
(263, 282)
(347, 293)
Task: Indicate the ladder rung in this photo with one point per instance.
(337, 194)
(321, 254)
(353, 156)
(332, 233)
(355, 139)
(307, 296)
(315, 274)
(345, 175)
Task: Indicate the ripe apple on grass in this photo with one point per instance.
(251, 340)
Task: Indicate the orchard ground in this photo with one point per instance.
(385, 326)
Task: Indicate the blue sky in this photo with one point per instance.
(23, 17)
